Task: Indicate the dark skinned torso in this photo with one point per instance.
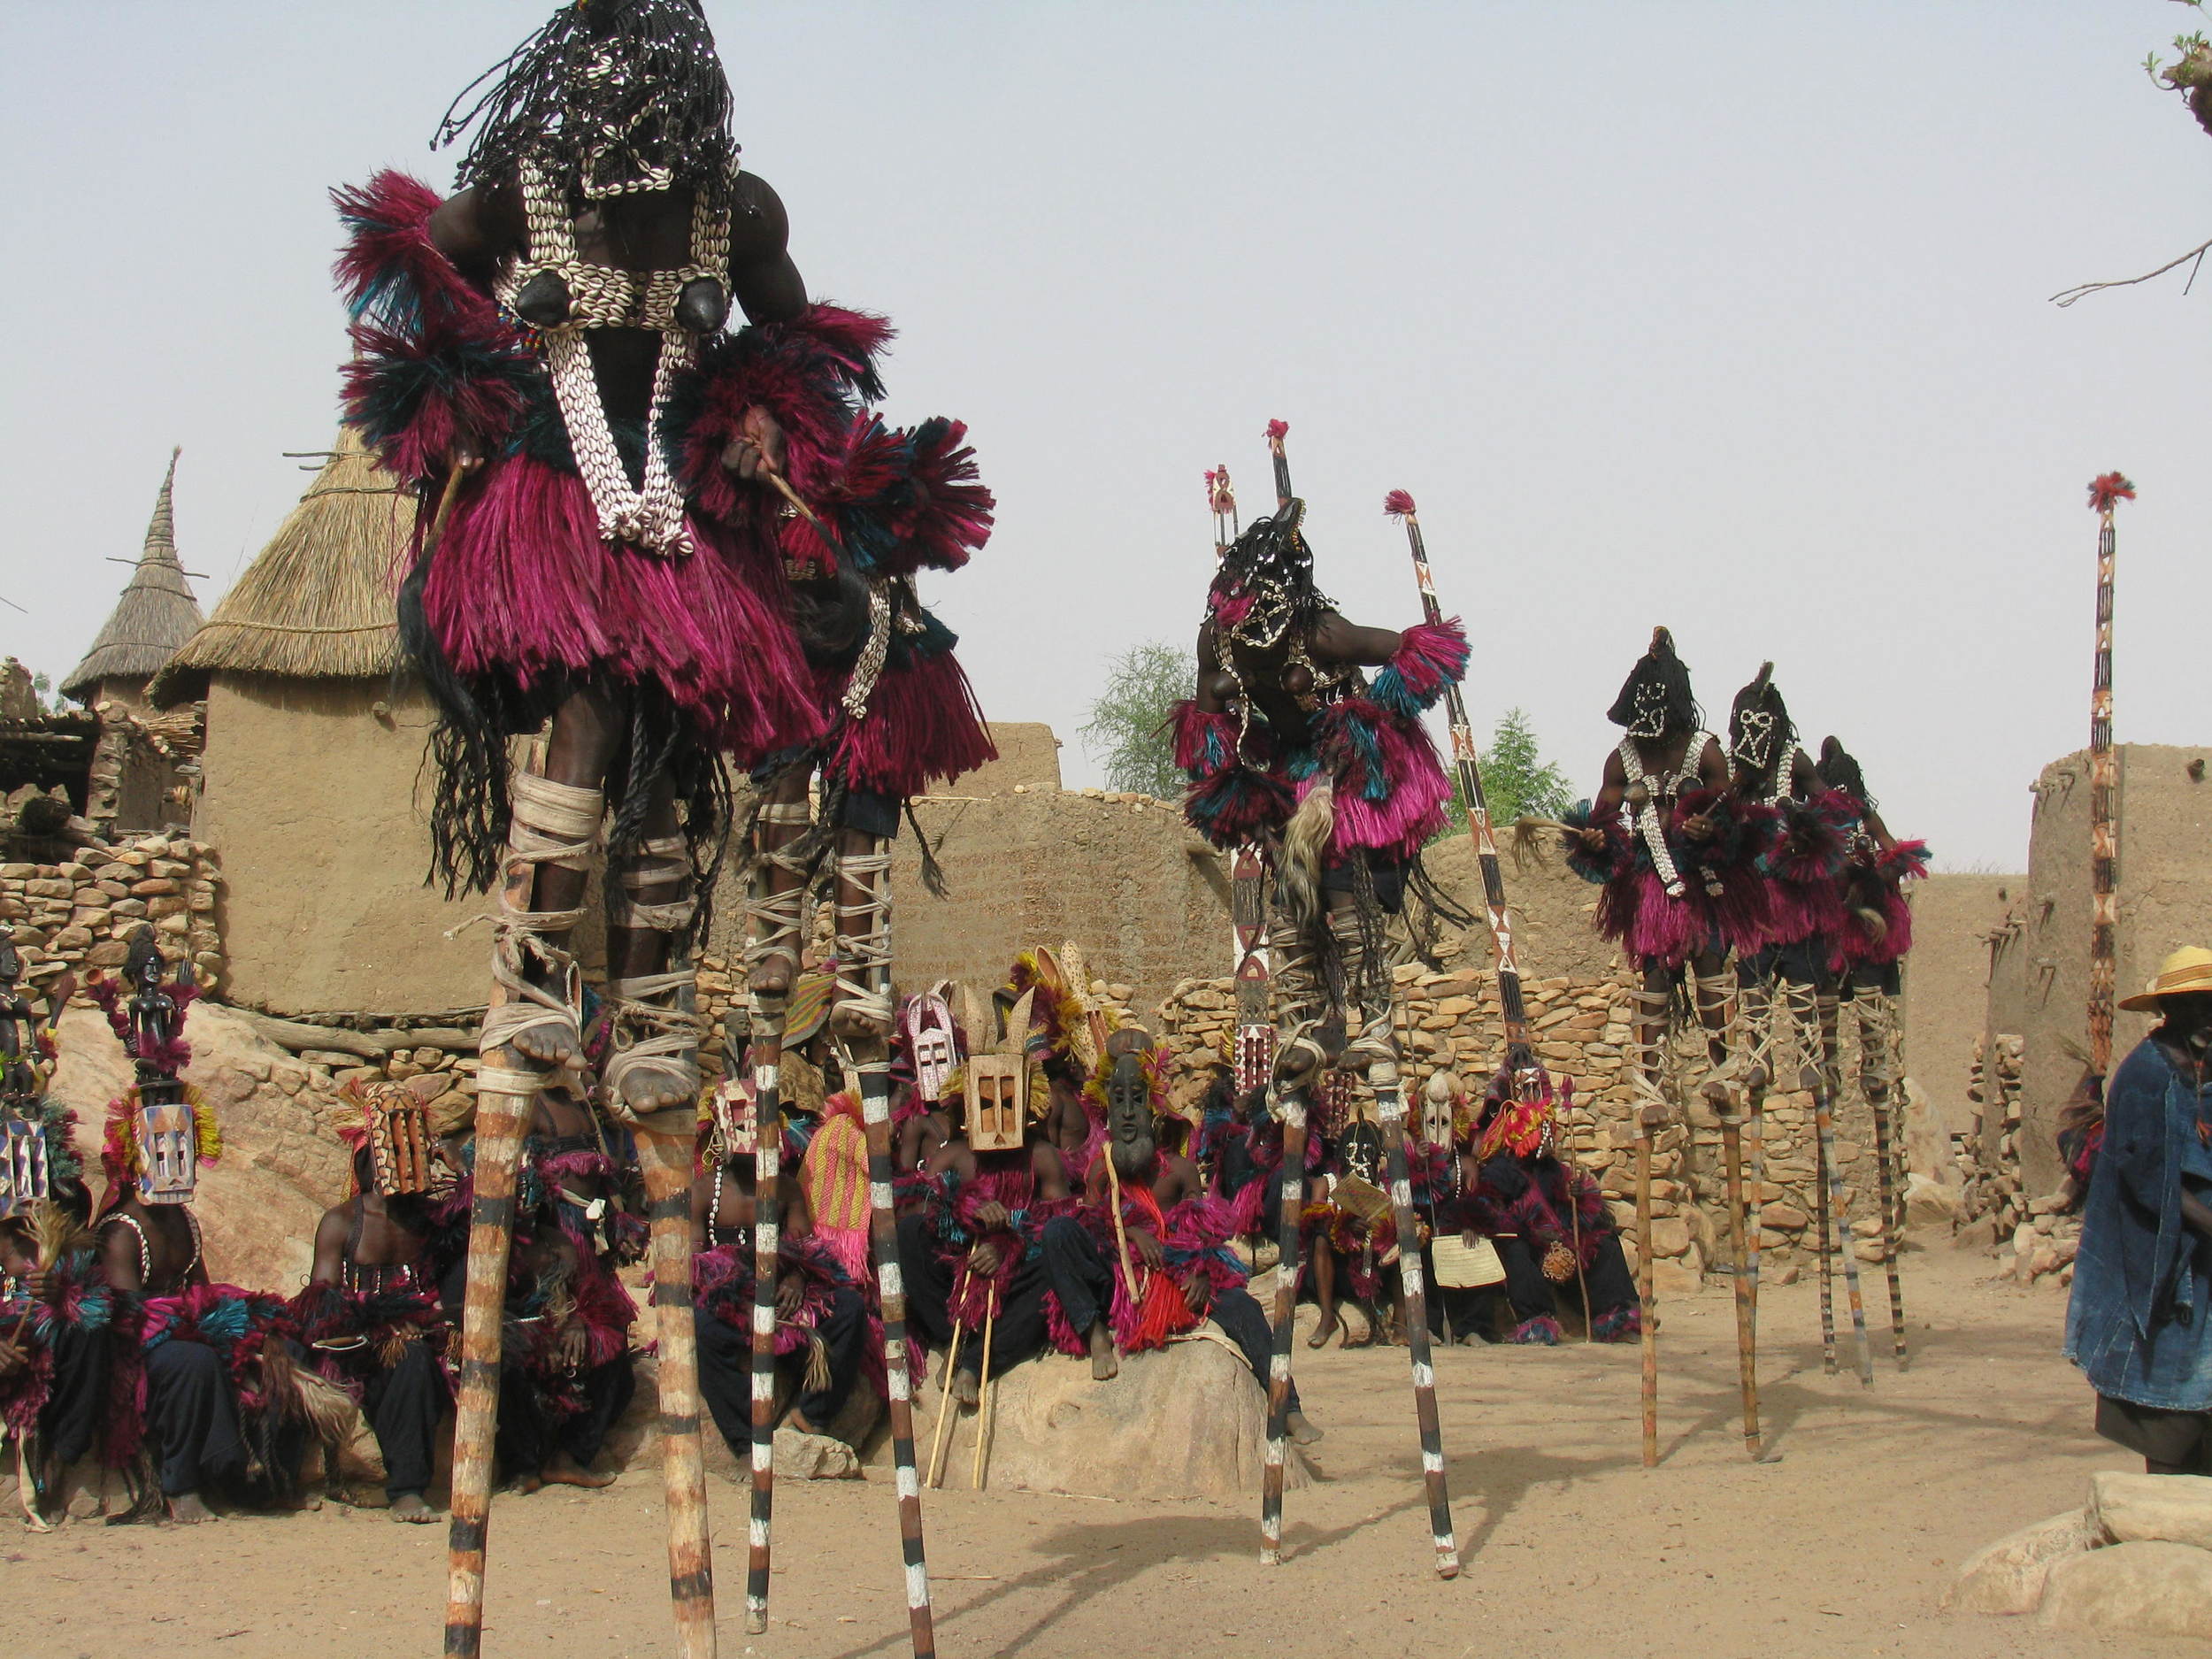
(169, 1249)
(483, 227)
(394, 1231)
(1274, 683)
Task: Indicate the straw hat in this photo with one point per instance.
(2188, 969)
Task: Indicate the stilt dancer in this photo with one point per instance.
(1676, 854)
(1286, 743)
(636, 596)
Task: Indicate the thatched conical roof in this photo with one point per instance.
(319, 602)
(155, 614)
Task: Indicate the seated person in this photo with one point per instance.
(821, 1316)
(565, 1368)
(54, 1323)
(1179, 1271)
(370, 1314)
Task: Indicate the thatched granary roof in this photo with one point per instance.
(319, 602)
(155, 614)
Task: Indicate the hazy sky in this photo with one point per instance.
(1729, 316)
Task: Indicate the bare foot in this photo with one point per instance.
(408, 1507)
(771, 977)
(967, 1391)
(852, 1024)
(1104, 1365)
(186, 1509)
(523, 1486)
(564, 1470)
(1301, 1432)
(553, 1040)
(654, 1086)
(1331, 1322)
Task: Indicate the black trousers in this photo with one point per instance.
(71, 1416)
(1017, 1331)
(528, 1437)
(191, 1416)
(1082, 1279)
(404, 1404)
(2171, 1442)
(726, 1368)
(1610, 1283)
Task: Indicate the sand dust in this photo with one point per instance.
(1839, 1546)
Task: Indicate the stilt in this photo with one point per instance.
(1878, 1081)
(1290, 1109)
(767, 1067)
(1746, 1316)
(552, 823)
(1644, 1289)
(1813, 1075)
(664, 1156)
(1390, 1107)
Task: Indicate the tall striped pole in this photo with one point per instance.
(1290, 1111)
(2106, 493)
(869, 1060)
(766, 1061)
(1520, 1056)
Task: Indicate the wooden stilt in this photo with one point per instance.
(1878, 1075)
(766, 1057)
(875, 1107)
(1649, 1381)
(1824, 1124)
(665, 1157)
(1391, 1109)
(1746, 1316)
(1291, 1109)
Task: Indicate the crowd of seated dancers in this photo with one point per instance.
(1049, 1198)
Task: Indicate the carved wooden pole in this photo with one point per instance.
(2106, 493)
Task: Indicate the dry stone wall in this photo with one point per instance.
(82, 913)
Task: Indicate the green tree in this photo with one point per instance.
(1128, 727)
(1517, 781)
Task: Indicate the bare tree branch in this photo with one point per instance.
(2196, 253)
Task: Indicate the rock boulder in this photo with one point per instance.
(2154, 1508)
(2146, 1589)
(2009, 1576)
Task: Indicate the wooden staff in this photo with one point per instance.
(1121, 1233)
(984, 1387)
(1520, 1056)
(2106, 493)
(1892, 1206)
(766, 1057)
(944, 1387)
(1291, 1191)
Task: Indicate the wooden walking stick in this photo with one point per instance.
(944, 1387)
(983, 1389)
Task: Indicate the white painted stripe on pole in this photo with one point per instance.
(1410, 1276)
(757, 1533)
(1279, 1368)
(909, 1482)
(767, 1162)
(763, 1320)
(879, 1194)
(1432, 1462)
(1274, 1453)
(1424, 1374)
(890, 1281)
(917, 1586)
(771, 1236)
(1401, 1191)
(764, 1456)
(900, 1383)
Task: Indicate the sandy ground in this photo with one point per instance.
(1840, 1545)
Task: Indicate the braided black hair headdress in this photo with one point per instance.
(612, 96)
(1262, 588)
